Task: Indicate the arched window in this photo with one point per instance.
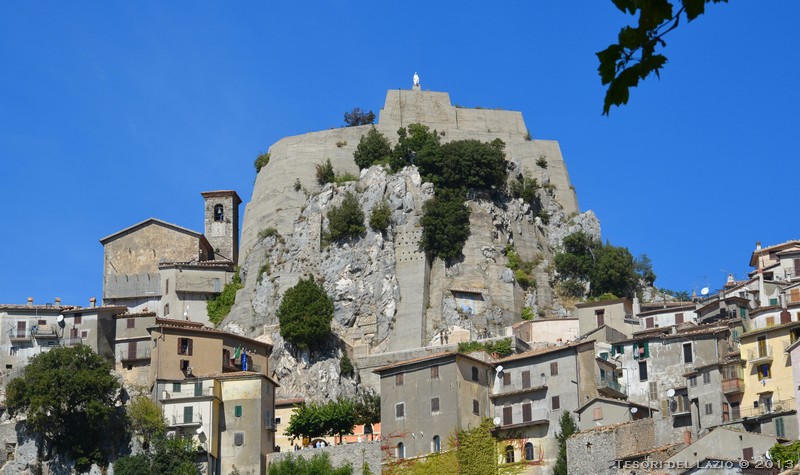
(401, 450)
(529, 451)
(509, 454)
(437, 444)
(219, 213)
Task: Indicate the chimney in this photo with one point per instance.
(30, 301)
(92, 302)
(687, 437)
(636, 306)
(58, 301)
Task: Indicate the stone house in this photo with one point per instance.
(132, 347)
(546, 330)
(425, 400)
(601, 450)
(531, 390)
(159, 266)
(724, 444)
(230, 416)
(775, 267)
(666, 315)
(20, 340)
(92, 326)
(617, 314)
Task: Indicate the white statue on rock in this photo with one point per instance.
(416, 79)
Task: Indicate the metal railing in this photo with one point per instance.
(20, 335)
(72, 341)
(766, 407)
(186, 419)
(606, 383)
(44, 331)
(139, 354)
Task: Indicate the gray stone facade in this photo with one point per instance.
(355, 455)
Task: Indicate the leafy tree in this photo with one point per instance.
(305, 314)
(380, 217)
(332, 418)
(346, 367)
(261, 161)
(644, 269)
(325, 172)
(463, 164)
(170, 456)
(415, 145)
(526, 189)
(476, 450)
(372, 148)
(306, 421)
(346, 221)
(68, 396)
(219, 307)
(367, 407)
(567, 428)
(614, 272)
(445, 225)
(577, 260)
(320, 464)
(785, 456)
(634, 57)
(145, 419)
(358, 117)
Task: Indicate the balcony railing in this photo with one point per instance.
(608, 384)
(138, 354)
(767, 407)
(44, 331)
(187, 391)
(538, 416)
(20, 335)
(760, 355)
(72, 341)
(195, 418)
(228, 367)
(731, 386)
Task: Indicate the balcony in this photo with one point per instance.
(188, 391)
(766, 407)
(18, 336)
(733, 386)
(186, 420)
(136, 355)
(227, 367)
(537, 417)
(44, 332)
(611, 388)
(760, 355)
(539, 384)
(70, 342)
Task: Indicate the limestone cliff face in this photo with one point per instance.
(389, 299)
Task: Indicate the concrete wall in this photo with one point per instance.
(595, 451)
(617, 314)
(353, 454)
(17, 348)
(725, 444)
(548, 330)
(609, 414)
(185, 290)
(256, 397)
(469, 391)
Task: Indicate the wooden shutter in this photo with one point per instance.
(678, 318)
(506, 379)
(131, 349)
(131, 323)
(507, 416)
(526, 379)
(649, 322)
(554, 368)
(187, 414)
(526, 412)
(556, 403)
(180, 340)
(747, 453)
(598, 413)
(190, 346)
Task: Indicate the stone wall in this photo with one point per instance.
(354, 454)
(595, 451)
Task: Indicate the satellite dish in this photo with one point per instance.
(670, 392)
(60, 318)
(704, 291)
(199, 430)
(496, 421)
(499, 368)
(768, 455)
(634, 410)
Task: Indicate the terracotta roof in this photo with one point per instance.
(760, 331)
(614, 401)
(765, 250)
(541, 351)
(603, 428)
(33, 307)
(665, 332)
(135, 314)
(602, 303)
(670, 308)
(146, 222)
(436, 356)
(196, 326)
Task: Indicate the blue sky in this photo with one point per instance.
(114, 112)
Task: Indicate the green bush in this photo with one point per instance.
(465, 164)
(445, 226)
(345, 177)
(347, 220)
(372, 148)
(526, 189)
(220, 306)
(261, 161)
(523, 279)
(320, 464)
(346, 366)
(263, 270)
(527, 313)
(380, 217)
(358, 117)
(572, 288)
(541, 162)
(146, 420)
(417, 144)
(501, 347)
(305, 315)
(325, 172)
(267, 232)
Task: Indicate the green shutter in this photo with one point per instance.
(176, 387)
(187, 414)
(198, 389)
(237, 411)
(646, 350)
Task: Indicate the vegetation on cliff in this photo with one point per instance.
(169, 455)
(346, 221)
(372, 148)
(261, 161)
(305, 315)
(68, 395)
(380, 217)
(358, 117)
(219, 307)
(445, 225)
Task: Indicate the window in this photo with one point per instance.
(277, 421)
(528, 451)
(554, 368)
(643, 371)
(185, 346)
(238, 439)
(188, 414)
(401, 450)
(131, 323)
(166, 309)
(726, 412)
(78, 319)
(692, 381)
(678, 318)
(600, 317)
(398, 379)
(474, 373)
(762, 346)
(84, 333)
(747, 453)
(400, 410)
(742, 312)
(780, 430)
(526, 379)
(436, 444)
(506, 379)
(556, 403)
(687, 352)
(176, 387)
(237, 411)
(14, 350)
(764, 371)
(435, 405)
(617, 349)
(166, 291)
(184, 365)
(653, 392)
(219, 212)
(526, 412)
(770, 321)
(434, 372)
(509, 454)
(735, 412)
(649, 323)
(709, 408)
(476, 407)
(598, 413)
(706, 378)
(641, 350)
(508, 415)
(773, 301)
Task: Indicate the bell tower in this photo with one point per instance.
(222, 223)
